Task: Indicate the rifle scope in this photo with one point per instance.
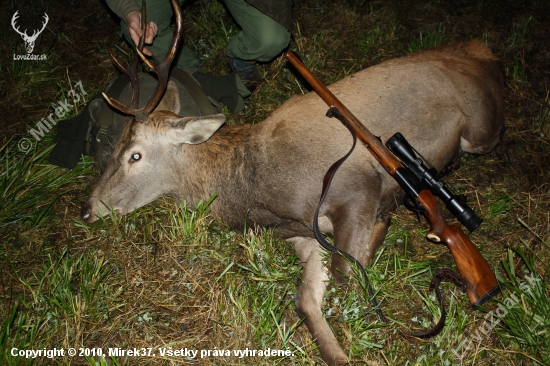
(456, 204)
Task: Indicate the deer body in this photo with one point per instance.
(444, 101)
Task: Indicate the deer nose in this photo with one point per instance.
(85, 212)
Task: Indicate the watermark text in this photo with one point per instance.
(61, 109)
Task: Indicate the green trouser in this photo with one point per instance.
(261, 38)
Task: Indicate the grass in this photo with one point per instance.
(526, 311)
(170, 276)
(30, 186)
(428, 39)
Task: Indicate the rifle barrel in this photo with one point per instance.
(378, 150)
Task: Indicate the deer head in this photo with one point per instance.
(121, 186)
(29, 40)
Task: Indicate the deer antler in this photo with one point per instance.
(162, 70)
(131, 70)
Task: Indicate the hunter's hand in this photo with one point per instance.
(134, 19)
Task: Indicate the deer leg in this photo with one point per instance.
(379, 232)
(309, 299)
(358, 232)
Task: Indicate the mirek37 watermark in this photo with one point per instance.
(29, 39)
(61, 109)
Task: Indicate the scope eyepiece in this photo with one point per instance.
(463, 212)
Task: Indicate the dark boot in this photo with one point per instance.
(247, 72)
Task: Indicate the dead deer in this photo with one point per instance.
(445, 101)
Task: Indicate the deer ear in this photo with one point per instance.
(171, 99)
(194, 130)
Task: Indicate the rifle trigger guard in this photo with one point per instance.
(412, 204)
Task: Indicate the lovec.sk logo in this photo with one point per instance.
(29, 40)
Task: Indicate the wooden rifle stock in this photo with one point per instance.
(481, 283)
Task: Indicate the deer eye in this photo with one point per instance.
(136, 157)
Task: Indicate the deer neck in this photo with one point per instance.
(222, 166)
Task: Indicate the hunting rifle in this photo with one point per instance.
(419, 182)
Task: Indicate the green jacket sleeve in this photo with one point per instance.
(123, 7)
